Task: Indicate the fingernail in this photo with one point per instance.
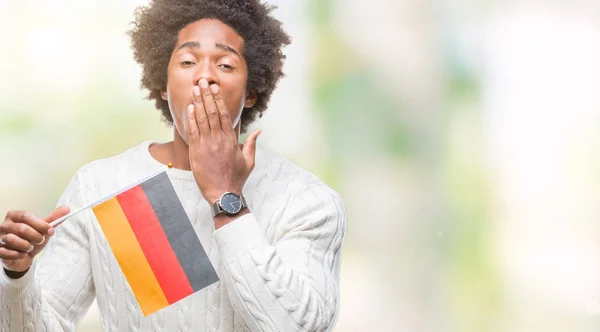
(41, 242)
(30, 248)
(214, 88)
(204, 83)
(196, 90)
(51, 231)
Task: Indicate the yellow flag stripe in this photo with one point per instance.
(130, 256)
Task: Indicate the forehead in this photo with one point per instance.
(209, 31)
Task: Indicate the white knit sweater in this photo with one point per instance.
(278, 266)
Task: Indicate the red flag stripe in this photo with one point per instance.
(154, 244)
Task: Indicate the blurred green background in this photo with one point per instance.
(462, 135)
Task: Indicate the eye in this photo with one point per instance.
(187, 63)
(225, 67)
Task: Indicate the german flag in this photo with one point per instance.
(155, 244)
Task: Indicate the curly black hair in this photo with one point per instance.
(154, 35)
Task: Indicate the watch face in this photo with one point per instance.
(231, 203)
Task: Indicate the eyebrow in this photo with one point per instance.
(195, 44)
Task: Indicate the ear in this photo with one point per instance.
(251, 98)
(163, 94)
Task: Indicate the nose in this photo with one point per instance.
(206, 70)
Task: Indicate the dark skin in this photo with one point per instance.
(206, 90)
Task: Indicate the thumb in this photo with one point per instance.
(59, 212)
(249, 149)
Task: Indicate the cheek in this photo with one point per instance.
(235, 107)
(235, 101)
(179, 89)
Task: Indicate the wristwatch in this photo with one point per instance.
(229, 204)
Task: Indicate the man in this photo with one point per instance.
(211, 66)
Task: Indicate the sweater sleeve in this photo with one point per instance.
(57, 290)
(293, 284)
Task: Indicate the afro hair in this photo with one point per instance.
(154, 36)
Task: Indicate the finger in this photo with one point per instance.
(8, 254)
(13, 242)
(41, 242)
(25, 232)
(28, 218)
(200, 114)
(249, 149)
(210, 107)
(6, 262)
(224, 115)
(192, 131)
(59, 212)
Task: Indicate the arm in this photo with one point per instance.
(292, 285)
(57, 290)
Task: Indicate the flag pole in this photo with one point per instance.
(60, 220)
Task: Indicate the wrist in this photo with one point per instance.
(228, 207)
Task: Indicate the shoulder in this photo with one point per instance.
(296, 199)
(282, 174)
(107, 174)
(133, 160)
(283, 178)
(130, 158)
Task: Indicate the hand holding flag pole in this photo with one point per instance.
(153, 241)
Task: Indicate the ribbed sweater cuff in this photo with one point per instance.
(14, 289)
(238, 237)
